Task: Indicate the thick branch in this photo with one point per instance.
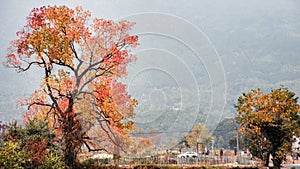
(90, 149)
(50, 92)
(40, 104)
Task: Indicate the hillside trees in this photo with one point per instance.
(226, 130)
(269, 122)
(81, 60)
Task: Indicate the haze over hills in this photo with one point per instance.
(257, 44)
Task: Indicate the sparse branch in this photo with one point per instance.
(109, 135)
(93, 78)
(39, 104)
(75, 52)
(50, 92)
(28, 66)
(89, 68)
(51, 108)
(61, 63)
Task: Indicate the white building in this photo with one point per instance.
(296, 144)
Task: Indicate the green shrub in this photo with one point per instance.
(12, 155)
(30, 147)
(95, 162)
(52, 161)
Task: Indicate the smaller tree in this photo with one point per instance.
(199, 134)
(269, 122)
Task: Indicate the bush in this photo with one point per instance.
(95, 162)
(30, 147)
(52, 160)
(12, 155)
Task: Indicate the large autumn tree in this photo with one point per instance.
(81, 60)
(269, 122)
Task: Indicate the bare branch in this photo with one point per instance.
(90, 149)
(20, 69)
(96, 76)
(50, 92)
(40, 104)
(113, 137)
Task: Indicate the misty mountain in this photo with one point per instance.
(198, 59)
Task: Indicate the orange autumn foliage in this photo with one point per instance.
(81, 59)
(269, 121)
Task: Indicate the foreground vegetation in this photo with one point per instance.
(32, 146)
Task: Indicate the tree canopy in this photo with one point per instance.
(81, 60)
(269, 122)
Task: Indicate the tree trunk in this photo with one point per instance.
(276, 167)
(70, 157)
(267, 159)
(72, 140)
(69, 147)
(277, 162)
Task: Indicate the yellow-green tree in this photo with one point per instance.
(199, 134)
(269, 122)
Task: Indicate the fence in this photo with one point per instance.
(200, 160)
